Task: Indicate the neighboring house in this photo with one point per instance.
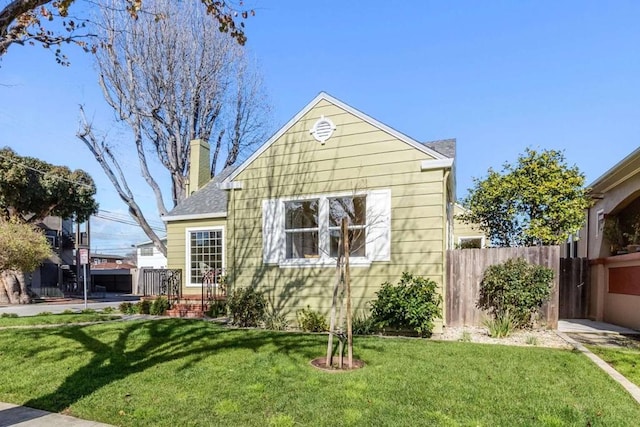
(615, 215)
(148, 256)
(56, 274)
(100, 259)
(271, 223)
(466, 236)
(111, 273)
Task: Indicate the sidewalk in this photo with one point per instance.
(59, 305)
(13, 415)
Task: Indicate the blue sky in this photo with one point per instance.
(499, 76)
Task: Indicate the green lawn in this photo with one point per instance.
(624, 360)
(55, 319)
(191, 373)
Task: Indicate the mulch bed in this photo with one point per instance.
(321, 363)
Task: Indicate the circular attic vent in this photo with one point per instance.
(322, 129)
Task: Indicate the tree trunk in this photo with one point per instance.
(13, 288)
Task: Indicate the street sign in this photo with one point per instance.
(84, 256)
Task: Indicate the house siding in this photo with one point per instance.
(176, 246)
(357, 157)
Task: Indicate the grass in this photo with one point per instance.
(55, 319)
(177, 372)
(624, 360)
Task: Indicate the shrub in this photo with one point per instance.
(413, 304)
(128, 308)
(159, 306)
(500, 326)
(108, 310)
(466, 336)
(275, 321)
(68, 311)
(217, 309)
(363, 324)
(311, 321)
(246, 307)
(144, 306)
(9, 315)
(45, 313)
(517, 288)
(88, 311)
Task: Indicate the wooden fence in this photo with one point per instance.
(465, 268)
(574, 288)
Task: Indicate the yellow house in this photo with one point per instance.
(272, 222)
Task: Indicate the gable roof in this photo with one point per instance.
(208, 202)
(323, 96)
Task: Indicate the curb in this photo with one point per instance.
(630, 387)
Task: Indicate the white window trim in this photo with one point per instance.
(187, 259)
(482, 243)
(324, 260)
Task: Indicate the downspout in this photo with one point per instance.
(233, 226)
(445, 237)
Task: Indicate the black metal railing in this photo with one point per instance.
(165, 282)
(214, 287)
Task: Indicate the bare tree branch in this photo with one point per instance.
(112, 169)
(170, 90)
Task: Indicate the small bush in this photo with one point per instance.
(246, 307)
(144, 306)
(466, 336)
(311, 321)
(532, 340)
(108, 310)
(500, 326)
(88, 311)
(128, 308)
(9, 315)
(45, 313)
(363, 324)
(68, 311)
(159, 306)
(217, 309)
(517, 288)
(413, 304)
(275, 321)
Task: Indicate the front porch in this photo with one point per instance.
(169, 283)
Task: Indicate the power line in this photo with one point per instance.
(124, 221)
(126, 217)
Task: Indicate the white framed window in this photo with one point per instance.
(301, 228)
(204, 251)
(304, 231)
(146, 251)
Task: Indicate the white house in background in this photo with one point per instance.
(149, 256)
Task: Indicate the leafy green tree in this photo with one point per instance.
(538, 201)
(22, 248)
(30, 190)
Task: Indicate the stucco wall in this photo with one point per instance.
(612, 200)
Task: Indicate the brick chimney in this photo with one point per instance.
(199, 172)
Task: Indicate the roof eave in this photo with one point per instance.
(188, 217)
